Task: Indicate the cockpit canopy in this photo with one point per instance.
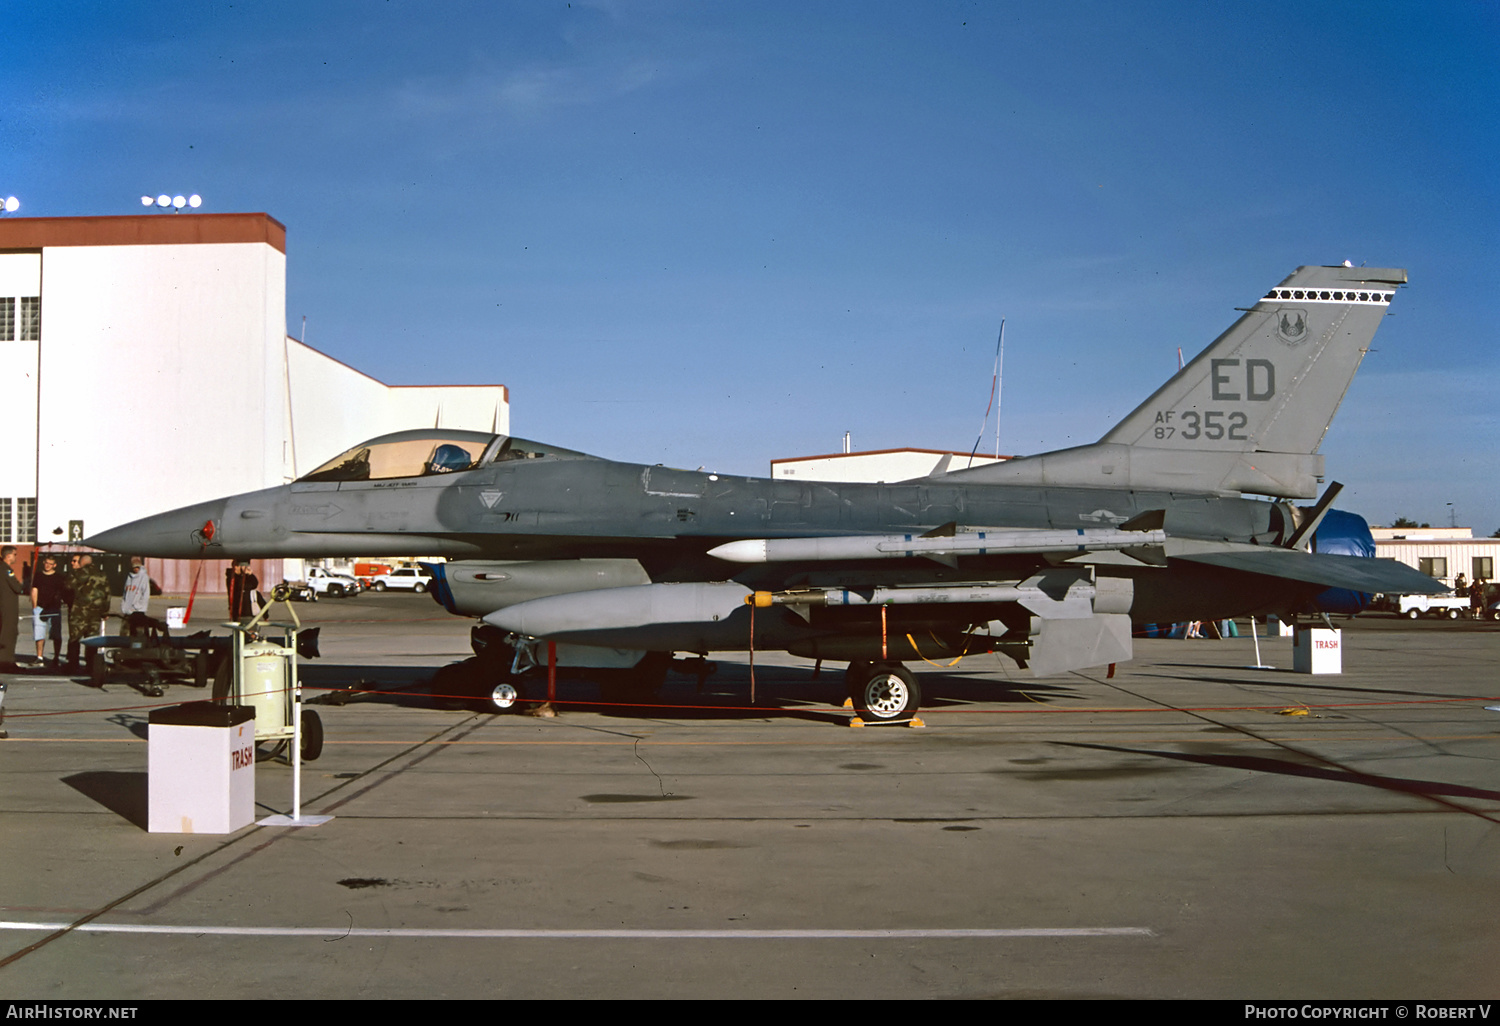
(430, 451)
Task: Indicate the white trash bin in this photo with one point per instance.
(1318, 650)
(201, 768)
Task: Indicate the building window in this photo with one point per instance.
(26, 521)
(7, 320)
(1484, 568)
(5, 520)
(1433, 566)
(31, 318)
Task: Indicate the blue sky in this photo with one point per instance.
(718, 233)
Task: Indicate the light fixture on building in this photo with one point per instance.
(175, 202)
(9, 205)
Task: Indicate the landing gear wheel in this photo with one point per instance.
(503, 696)
(888, 695)
(312, 735)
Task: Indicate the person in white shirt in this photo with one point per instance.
(137, 589)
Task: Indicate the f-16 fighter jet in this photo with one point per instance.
(1184, 511)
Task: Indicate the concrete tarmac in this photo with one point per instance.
(1188, 828)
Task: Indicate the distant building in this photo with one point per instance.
(147, 366)
(1440, 552)
(876, 465)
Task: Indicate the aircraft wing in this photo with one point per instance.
(1355, 573)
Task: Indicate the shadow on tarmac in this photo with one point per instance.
(1287, 767)
(123, 793)
(780, 690)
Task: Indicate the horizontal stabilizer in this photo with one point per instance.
(1356, 573)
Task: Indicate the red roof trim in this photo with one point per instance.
(141, 230)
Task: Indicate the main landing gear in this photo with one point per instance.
(883, 692)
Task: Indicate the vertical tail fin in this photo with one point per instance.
(1249, 412)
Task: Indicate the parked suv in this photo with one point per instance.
(409, 578)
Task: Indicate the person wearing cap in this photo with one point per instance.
(241, 585)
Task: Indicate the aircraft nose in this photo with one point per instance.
(178, 534)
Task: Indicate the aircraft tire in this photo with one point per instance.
(312, 735)
(890, 694)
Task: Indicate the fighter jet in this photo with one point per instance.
(1185, 510)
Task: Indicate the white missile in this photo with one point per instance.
(1052, 595)
(622, 608)
(904, 546)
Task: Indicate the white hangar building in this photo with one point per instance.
(147, 366)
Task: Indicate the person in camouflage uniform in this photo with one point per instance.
(89, 607)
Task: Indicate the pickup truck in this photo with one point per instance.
(408, 578)
(320, 582)
(1450, 607)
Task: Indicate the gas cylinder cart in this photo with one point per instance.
(261, 672)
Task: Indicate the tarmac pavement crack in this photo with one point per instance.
(635, 750)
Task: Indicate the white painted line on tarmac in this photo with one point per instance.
(336, 932)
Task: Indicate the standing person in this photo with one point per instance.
(88, 606)
(10, 609)
(48, 593)
(241, 584)
(137, 594)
